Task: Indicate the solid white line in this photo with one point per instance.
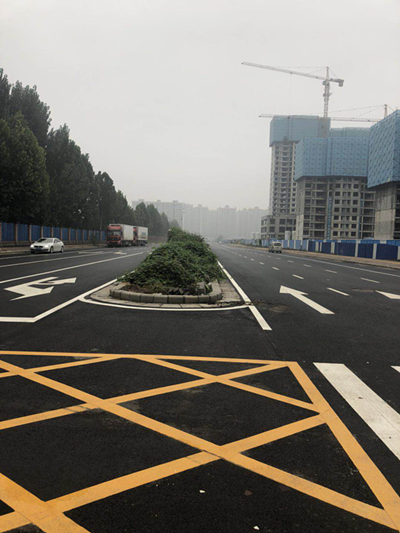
(295, 276)
(138, 308)
(379, 416)
(69, 268)
(275, 268)
(339, 292)
(262, 263)
(260, 319)
(246, 299)
(257, 315)
(371, 280)
(332, 271)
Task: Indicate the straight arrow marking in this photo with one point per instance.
(302, 296)
(390, 295)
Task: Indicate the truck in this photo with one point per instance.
(125, 235)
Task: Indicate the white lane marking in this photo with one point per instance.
(295, 276)
(70, 267)
(339, 292)
(338, 264)
(371, 280)
(390, 295)
(332, 271)
(309, 266)
(379, 416)
(39, 262)
(256, 313)
(260, 319)
(275, 268)
(245, 256)
(251, 259)
(138, 308)
(289, 261)
(262, 263)
(302, 297)
(396, 368)
(43, 286)
(32, 320)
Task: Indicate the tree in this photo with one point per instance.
(5, 88)
(24, 182)
(141, 215)
(165, 224)
(37, 114)
(71, 177)
(174, 224)
(155, 221)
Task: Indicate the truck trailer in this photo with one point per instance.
(125, 235)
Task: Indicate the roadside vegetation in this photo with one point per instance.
(185, 265)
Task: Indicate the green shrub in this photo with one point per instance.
(182, 263)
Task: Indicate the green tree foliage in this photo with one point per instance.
(175, 224)
(37, 114)
(24, 182)
(5, 89)
(45, 177)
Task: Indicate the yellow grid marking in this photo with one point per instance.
(231, 452)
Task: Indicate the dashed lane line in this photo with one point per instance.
(69, 268)
(309, 266)
(261, 263)
(370, 280)
(296, 276)
(275, 268)
(331, 271)
(339, 292)
(289, 261)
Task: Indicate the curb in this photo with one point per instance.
(141, 297)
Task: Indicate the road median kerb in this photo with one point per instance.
(139, 297)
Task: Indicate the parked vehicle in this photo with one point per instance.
(275, 247)
(125, 235)
(49, 245)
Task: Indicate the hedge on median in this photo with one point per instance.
(178, 267)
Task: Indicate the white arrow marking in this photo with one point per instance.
(390, 295)
(302, 297)
(43, 286)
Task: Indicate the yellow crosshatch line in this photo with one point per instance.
(49, 515)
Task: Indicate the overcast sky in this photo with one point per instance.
(155, 91)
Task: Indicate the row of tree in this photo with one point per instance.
(46, 179)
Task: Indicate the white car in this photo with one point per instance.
(275, 247)
(49, 245)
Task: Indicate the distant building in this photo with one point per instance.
(278, 226)
(174, 210)
(384, 175)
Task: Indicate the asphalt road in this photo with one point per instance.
(147, 420)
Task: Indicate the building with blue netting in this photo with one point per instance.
(384, 175)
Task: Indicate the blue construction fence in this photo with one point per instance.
(13, 234)
(372, 249)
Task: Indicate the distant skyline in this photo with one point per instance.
(156, 94)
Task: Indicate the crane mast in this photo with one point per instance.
(327, 80)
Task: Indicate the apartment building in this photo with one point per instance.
(384, 176)
(333, 199)
(278, 227)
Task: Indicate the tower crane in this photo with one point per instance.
(342, 119)
(327, 80)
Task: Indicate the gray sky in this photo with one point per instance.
(154, 90)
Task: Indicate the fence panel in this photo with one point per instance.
(347, 248)
(365, 250)
(386, 251)
(57, 233)
(73, 234)
(23, 232)
(85, 235)
(35, 233)
(46, 231)
(79, 235)
(103, 236)
(7, 232)
(64, 234)
(326, 248)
